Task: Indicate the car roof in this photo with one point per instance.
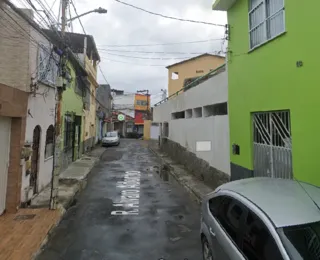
(285, 202)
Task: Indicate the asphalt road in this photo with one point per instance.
(127, 215)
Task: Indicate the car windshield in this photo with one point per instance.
(111, 134)
(303, 241)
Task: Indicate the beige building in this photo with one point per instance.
(179, 74)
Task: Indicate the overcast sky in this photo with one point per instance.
(123, 25)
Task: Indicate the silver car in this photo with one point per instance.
(261, 219)
(111, 138)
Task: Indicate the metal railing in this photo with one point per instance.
(194, 83)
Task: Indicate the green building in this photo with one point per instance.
(72, 115)
(273, 92)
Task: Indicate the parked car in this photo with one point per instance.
(261, 219)
(111, 138)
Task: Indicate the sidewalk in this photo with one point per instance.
(24, 233)
(194, 186)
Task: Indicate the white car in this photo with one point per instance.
(262, 219)
(111, 139)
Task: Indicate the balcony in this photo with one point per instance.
(91, 69)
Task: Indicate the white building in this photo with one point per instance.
(40, 117)
(195, 128)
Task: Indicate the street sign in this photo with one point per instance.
(121, 117)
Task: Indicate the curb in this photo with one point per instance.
(193, 192)
(64, 208)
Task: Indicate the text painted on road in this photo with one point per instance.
(130, 194)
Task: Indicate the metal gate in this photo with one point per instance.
(5, 130)
(272, 144)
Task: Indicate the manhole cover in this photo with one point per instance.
(25, 217)
(86, 159)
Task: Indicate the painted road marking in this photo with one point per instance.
(130, 195)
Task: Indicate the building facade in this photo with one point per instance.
(33, 71)
(182, 73)
(72, 111)
(104, 107)
(272, 89)
(194, 128)
(141, 111)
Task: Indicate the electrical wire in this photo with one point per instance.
(154, 52)
(138, 64)
(75, 10)
(104, 77)
(159, 44)
(168, 17)
(147, 58)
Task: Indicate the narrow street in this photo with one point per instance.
(162, 223)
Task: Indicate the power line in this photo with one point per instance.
(75, 10)
(104, 77)
(138, 64)
(148, 58)
(168, 17)
(159, 44)
(154, 52)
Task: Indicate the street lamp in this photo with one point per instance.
(99, 10)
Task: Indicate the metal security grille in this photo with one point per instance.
(272, 145)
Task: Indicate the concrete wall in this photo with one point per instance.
(14, 51)
(191, 69)
(184, 133)
(146, 129)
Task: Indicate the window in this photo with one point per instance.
(48, 152)
(302, 239)
(216, 109)
(142, 102)
(199, 71)
(197, 112)
(189, 113)
(178, 115)
(214, 205)
(48, 68)
(175, 75)
(111, 134)
(257, 242)
(266, 20)
(230, 214)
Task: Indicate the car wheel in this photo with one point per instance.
(206, 250)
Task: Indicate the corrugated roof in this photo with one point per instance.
(194, 58)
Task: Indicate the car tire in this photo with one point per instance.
(118, 144)
(206, 250)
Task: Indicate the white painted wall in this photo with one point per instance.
(188, 131)
(124, 103)
(40, 112)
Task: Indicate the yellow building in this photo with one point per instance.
(182, 72)
(85, 48)
(141, 111)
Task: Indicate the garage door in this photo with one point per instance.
(154, 132)
(5, 129)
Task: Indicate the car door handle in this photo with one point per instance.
(212, 233)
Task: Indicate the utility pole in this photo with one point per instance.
(164, 94)
(57, 141)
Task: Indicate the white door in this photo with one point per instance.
(154, 132)
(5, 129)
